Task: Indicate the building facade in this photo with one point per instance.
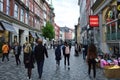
(66, 34)
(106, 36)
(22, 20)
(57, 32)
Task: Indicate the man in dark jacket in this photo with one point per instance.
(40, 52)
(17, 52)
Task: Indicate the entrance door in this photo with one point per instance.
(21, 36)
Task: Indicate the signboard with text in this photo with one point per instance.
(93, 20)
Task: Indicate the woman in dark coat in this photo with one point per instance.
(28, 59)
(91, 56)
(58, 55)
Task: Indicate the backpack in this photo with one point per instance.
(27, 49)
(67, 50)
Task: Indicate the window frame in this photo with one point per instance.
(22, 14)
(8, 7)
(16, 11)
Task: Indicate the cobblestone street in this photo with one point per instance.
(78, 69)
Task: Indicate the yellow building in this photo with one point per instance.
(108, 31)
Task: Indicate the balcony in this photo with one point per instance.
(113, 36)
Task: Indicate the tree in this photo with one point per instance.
(48, 31)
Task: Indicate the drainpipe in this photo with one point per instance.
(100, 28)
(119, 47)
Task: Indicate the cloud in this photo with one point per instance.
(66, 12)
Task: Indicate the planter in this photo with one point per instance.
(112, 71)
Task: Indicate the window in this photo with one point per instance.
(8, 7)
(27, 3)
(22, 0)
(22, 15)
(26, 18)
(1, 5)
(16, 11)
(32, 21)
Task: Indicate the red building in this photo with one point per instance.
(25, 19)
(57, 32)
(68, 34)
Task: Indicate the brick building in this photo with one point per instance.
(22, 20)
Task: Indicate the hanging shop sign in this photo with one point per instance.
(93, 20)
(118, 13)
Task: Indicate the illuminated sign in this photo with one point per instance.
(93, 21)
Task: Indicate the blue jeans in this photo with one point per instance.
(40, 67)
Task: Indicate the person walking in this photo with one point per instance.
(85, 51)
(40, 53)
(58, 55)
(76, 49)
(28, 59)
(17, 52)
(5, 51)
(91, 56)
(66, 52)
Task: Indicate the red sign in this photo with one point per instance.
(93, 21)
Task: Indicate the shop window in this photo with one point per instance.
(26, 38)
(15, 38)
(2, 39)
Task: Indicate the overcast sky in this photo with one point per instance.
(66, 12)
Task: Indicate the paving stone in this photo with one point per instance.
(78, 69)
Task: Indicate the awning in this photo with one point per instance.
(8, 27)
(33, 34)
(38, 35)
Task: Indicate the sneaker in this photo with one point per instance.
(30, 79)
(27, 77)
(68, 67)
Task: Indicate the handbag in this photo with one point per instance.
(96, 60)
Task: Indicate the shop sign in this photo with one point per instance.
(118, 13)
(93, 21)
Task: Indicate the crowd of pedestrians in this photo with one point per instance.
(36, 52)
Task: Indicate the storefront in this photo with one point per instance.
(32, 36)
(112, 30)
(6, 32)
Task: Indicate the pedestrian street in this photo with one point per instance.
(78, 69)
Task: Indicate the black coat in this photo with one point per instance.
(18, 50)
(39, 52)
(58, 53)
(29, 60)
